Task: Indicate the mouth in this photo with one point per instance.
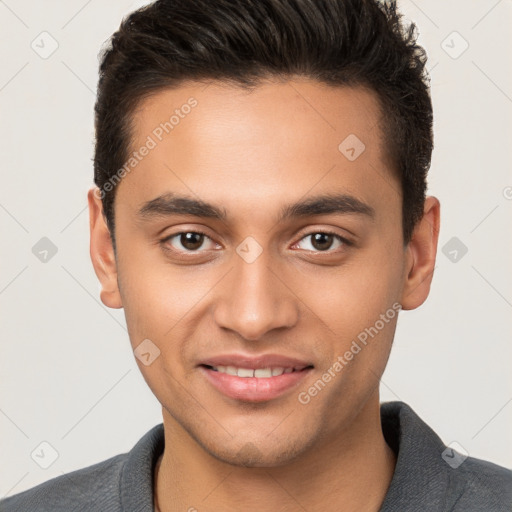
(257, 382)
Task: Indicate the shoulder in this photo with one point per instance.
(92, 488)
(430, 472)
(483, 484)
(123, 483)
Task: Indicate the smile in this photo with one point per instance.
(254, 384)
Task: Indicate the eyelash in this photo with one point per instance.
(343, 240)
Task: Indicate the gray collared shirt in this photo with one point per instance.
(429, 476)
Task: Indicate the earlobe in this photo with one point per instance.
(421, 256)
(102, 252)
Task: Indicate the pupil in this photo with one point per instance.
(322, 241)
(192, 241)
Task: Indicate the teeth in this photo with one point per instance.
(261, 373)
(231, 370)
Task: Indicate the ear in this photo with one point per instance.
(102, 251)
(421, 256)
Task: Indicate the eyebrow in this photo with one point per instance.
(326, 205)
(172, 204)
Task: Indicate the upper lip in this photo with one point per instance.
(256, 362)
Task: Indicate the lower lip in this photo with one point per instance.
(253, 389)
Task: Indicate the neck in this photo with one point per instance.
(351, 471)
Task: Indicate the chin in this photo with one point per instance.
(256, 455)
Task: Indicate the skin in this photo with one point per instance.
(251, 153)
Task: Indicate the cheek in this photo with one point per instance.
(360, 303)
(159, 298)
(361, 291)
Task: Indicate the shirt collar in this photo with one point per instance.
(421, 476)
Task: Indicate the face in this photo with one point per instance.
(260, 250)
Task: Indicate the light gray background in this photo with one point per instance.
(68, 376)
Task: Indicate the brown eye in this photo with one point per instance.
(191, 241)
(322, 242)
(188, 241)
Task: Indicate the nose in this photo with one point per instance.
(255, 299)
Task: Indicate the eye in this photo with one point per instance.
(188, 241)
(322, 241)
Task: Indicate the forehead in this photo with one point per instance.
(228, 114)
(277, 139)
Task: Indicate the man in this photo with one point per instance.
(260, 215)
